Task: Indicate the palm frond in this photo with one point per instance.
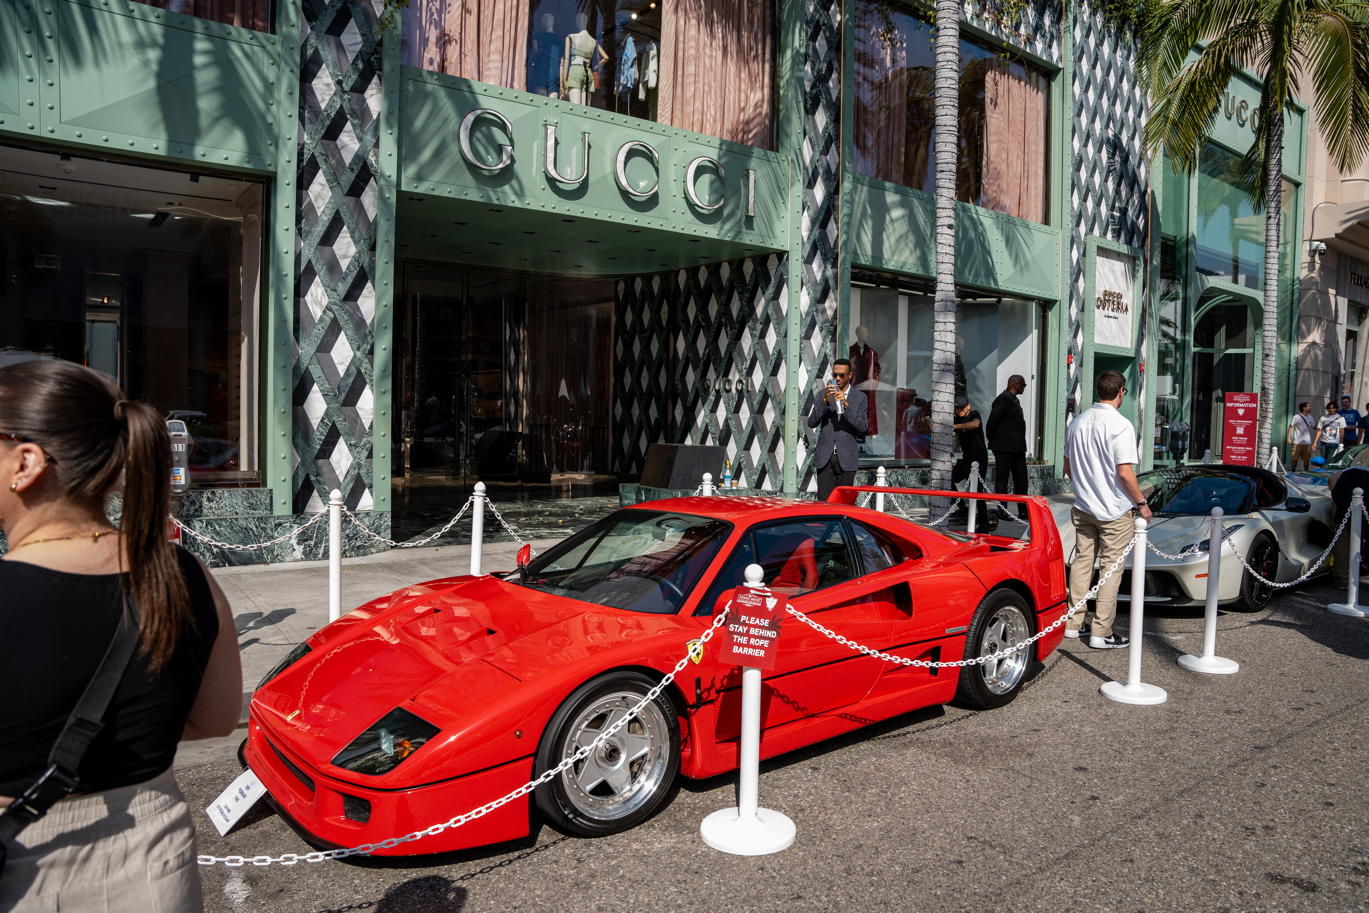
(1335, 37)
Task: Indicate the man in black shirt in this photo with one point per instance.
(969, 436)
(1007, 430)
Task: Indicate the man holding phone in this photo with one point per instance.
(841, 421)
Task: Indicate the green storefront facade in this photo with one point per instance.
(434, 276)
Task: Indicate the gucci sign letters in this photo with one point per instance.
(578, 170)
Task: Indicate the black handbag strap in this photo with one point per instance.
(82, 726)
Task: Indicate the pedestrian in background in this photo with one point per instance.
(969, 436)
(122, 838)
(841, 423)
(1350, 437)
(1007, 432)
(1329, 428)
(1302, 430)
(1100, 459)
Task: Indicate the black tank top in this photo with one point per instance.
(57, 627)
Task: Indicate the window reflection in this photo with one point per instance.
(247, 14)
(702, 65)
(1004, 113)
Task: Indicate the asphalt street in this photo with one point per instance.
(1240, 793)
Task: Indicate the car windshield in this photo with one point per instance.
(1180, 493)
(639, 560)
(1350, 456)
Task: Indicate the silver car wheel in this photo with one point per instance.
(624, 772)
(1006, 628)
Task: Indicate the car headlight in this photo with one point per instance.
(291, 658)
(1202, 544)
(389, 741)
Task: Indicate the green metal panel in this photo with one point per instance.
(1232, 127)
(892, 230)
(131, 78)
(278, 354)
(435, 104)
(382, 327)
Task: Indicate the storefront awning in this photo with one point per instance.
(1343, 226)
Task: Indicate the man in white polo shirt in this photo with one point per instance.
(1100, 459)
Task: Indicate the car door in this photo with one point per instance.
(812, 563)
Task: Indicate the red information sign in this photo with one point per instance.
(753, 626)
(1239, 427)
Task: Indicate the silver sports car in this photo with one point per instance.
(1277, 526)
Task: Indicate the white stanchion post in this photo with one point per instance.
(748, 829)
(881, 481)
(708, 483)
(1210, 662)
(1351, 606)
(477, 527)
(974, 505)
(1135, 691)
(334, 555)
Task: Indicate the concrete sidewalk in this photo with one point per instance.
(276, 606)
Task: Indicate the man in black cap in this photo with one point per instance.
(969, 437)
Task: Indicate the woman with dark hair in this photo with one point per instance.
(123, 839)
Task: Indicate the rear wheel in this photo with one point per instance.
(1001, 621)
(1264, 558)
(625, 779)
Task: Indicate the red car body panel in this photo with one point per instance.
(488, 662)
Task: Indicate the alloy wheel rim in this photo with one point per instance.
(1006, 628)
(620, 776)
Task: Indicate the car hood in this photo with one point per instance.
(473, 637)
(1184, 530)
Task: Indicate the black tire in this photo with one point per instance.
(631, 786)
(1003, 619)
(1263, 557)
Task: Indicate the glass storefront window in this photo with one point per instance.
(150, 276)
(1004, 115)
(702, 65)
(1230, 231)
(248, 14)
(891, 362)
(1172, 431)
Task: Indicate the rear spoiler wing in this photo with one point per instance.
(1038, 511)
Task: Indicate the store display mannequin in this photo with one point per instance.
(865, 373)
(582, 54)
(544, 59)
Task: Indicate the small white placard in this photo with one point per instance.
(233, 802)
(1113, 300)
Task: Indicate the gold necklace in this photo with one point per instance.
(94, 537)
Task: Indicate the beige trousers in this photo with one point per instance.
(1104, 541)
(125, 850)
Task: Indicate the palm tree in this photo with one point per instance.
(1282, 41)
(946, 50)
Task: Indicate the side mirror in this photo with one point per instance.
(524, 556)
(1296, 505)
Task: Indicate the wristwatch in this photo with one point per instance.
(1140, 504)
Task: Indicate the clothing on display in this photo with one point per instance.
(627, 67)
(648, 67)
(864, 375)
(544, 63)
(580, 51)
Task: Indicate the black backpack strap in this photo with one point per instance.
(82, 726)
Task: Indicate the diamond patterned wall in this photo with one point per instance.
(641, 368)
(1036, 31)
(819, 223)
(1108, 193)
(335, 253)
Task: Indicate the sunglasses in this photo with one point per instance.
(6, 436)
(841, 373)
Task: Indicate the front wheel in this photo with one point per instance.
(628, 776)
(1264, 558)
(1001, 621)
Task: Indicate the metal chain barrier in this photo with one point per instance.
(692, 653)
(489, 505)
(421, 542)
(247, 548)
(1316, 565)
(959, 663)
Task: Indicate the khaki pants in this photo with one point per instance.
(1104, 541)
(125, 850)
(1302, 453)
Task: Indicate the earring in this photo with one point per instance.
(14, 486)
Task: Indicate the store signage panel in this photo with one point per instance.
(1114, 301)
(1354, 279)
(1240, 418)
(753, 628)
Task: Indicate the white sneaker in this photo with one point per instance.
(1083, 631)
(1111, 642)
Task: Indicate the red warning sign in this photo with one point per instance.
(753, 627)
(1239, 421)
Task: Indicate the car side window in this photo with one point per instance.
(801, 556)
(875, 550)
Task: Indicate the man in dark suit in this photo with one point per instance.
(841, 421)
(1007, 431)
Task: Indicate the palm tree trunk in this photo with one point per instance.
(947, 51)
(1269, 327)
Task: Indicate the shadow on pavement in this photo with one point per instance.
(430, 894)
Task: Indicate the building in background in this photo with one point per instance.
(524, 240)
